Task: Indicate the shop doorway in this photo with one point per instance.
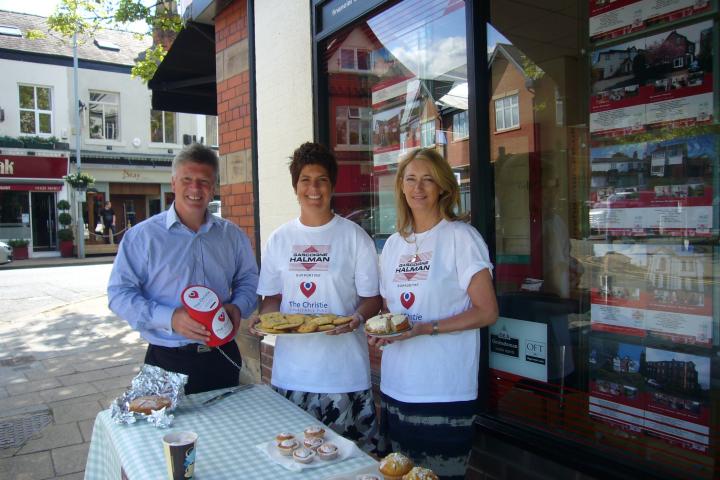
(43, 221)
(129, 210)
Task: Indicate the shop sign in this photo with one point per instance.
(30, 187)
(16, 166)
(336, 13)
(519, 347)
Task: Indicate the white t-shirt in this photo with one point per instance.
(322, 269)
(432, 285)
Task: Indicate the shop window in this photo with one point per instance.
(104, 115)
(163, 126)
(507, 113)
(606, 239)
(460, 126)
(36, 116)
(401, 96)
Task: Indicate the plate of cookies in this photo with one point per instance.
(387, 325)
(276, 323)
(314, 447)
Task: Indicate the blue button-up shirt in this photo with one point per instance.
(160, 257)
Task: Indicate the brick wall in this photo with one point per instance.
(234, 134)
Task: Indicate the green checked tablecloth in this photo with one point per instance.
(228, 432)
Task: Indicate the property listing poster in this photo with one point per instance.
(653, 291)
(665, 79)
(660, 392)
(653, 188)
(396, 115)
(615, 18)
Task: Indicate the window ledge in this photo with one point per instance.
(461, 139)
(507, 130)
(97, 142)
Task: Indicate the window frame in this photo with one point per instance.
(458, 134)
(162, 129)
(104, 124)
(356, 63)
(362, 116)
(503, 109)
(36, 111)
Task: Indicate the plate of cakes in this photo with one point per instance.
(276, 323)
(314, 447)
(387, 325)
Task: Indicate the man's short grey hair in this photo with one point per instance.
(196, 153)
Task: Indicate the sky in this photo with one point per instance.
(46, 7)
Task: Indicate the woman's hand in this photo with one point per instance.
(252, 324)
(416, 330)
(348, 327)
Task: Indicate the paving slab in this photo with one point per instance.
(70, 459)
(71, 391)
(32, 386)
(84, 377)
(113, 384)
(74, 412)
(35, 466)
(86, 429)
(53, 436)
(72, 476)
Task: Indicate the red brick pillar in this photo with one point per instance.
(233, 97)
(235, 139)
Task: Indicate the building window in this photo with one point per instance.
(104, 113)
(35, 110)
(400, 107)
(355, 59)
(211, 130)
(352, 126)
(460, 125)
(507, 114)
(163, 128)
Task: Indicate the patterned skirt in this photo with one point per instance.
(438, 436)
(351, 415)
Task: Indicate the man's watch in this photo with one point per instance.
(435, 327)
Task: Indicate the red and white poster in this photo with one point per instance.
(395, 120)
(661, 80)
(659, 291)
(653, 188)
(678, 398)
(660, 392)
(614, 18)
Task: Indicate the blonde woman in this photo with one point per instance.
(436, 270)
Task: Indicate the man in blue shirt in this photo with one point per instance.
(183, 246)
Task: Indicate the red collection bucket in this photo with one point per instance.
(204, 306)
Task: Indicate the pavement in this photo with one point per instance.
(58, 369)
(44, 262)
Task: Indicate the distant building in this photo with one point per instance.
(125, 145)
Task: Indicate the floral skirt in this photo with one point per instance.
(438, 436)
(351, 415)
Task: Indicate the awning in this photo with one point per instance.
(185, 80)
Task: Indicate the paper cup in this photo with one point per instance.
(204, 306)
(179, 448)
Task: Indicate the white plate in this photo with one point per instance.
(388, 335)
(346, 449)
(296, 334)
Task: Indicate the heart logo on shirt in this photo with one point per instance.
(193, 294)
(407, 299)
(221, 317)
(308, 288)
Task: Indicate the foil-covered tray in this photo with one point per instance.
(151, 380)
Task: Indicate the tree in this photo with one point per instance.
(85, 17)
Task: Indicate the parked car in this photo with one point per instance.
(5, 253)
(215, 208)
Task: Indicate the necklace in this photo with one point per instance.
(416, 255)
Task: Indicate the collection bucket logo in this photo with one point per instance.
(315, 258)
(413, 267)
(193, 294)
(308, 288)
(407, 299)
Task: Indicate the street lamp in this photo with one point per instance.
(80, 196)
